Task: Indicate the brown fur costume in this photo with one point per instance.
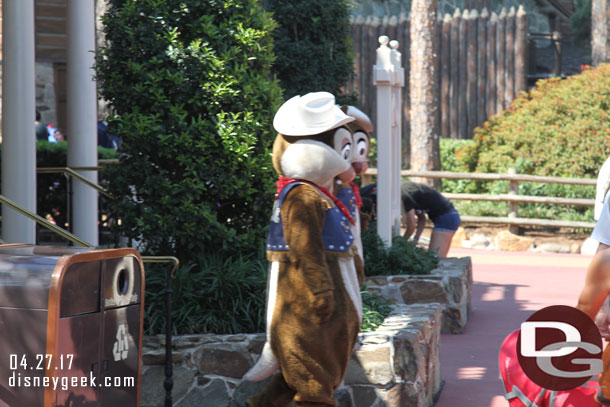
(315, 323)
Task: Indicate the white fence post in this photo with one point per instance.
(388, 77)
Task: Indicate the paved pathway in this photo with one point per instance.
(508, 288)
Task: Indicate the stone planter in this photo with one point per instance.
(396, 365)
(450, 284)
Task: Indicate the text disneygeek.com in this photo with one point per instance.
(50, 362)
(64, 383)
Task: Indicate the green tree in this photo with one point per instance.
(312, 45)
(192, 99)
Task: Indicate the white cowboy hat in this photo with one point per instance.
(307, 115)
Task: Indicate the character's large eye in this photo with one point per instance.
(346, 151)
(343, 143)
(361, 141)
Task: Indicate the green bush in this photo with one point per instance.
(216, 294)
(560, 128)
(312, 45)
(404, 257)
(225, 295)
(374, 310)
(192, 99)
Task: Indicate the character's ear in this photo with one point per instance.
(279, 146)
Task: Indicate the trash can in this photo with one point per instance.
(71, 322)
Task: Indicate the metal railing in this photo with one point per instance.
(512, 197)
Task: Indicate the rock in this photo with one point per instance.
(589, 247)
(552, 248)
(458, 238)
(153, 379)
(505, 240)
(214, 394)
(248, 389)
(229, 360)
(422, 292)
(575, 248)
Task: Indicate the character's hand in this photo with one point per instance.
(323, 306)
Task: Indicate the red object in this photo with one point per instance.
(522, 392)
(283, 181)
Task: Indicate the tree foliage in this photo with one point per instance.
(192, 98)
(312, 45)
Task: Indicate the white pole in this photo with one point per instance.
(388, 77)
(397, 84)
(18, 114)
(82, 115)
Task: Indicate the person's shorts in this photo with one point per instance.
(447, 222)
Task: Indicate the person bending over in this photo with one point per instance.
(419, 200)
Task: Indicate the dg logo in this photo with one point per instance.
(560, 348)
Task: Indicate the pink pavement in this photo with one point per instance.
(508, 287)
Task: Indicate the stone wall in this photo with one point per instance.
(450, 284)
(396, 365)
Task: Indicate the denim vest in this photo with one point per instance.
(336, 233)
(346, 195)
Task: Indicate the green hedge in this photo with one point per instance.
(403, 257)
(312, 46)
(190, 86)
(560, 128)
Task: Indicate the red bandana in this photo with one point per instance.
(283, 181)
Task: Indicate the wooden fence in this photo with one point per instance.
(512, 218)
(482, 65)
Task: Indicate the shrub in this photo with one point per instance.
(214, 295)
(374, 310)
(192, 100)
(404, 257)
(312, 45)
(560, 128)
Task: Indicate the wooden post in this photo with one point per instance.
(513, 212)
(600, 31)
(521, 51)
(445, 79)
(423, 84)
(482, 63)
(454, 73)
(509, 75)
(357, 47)
(463, 76)
(491, 64)
(471, 89)
(500, 53)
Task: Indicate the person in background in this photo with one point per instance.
(41, 129)
(601, 188)
(419, 200)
